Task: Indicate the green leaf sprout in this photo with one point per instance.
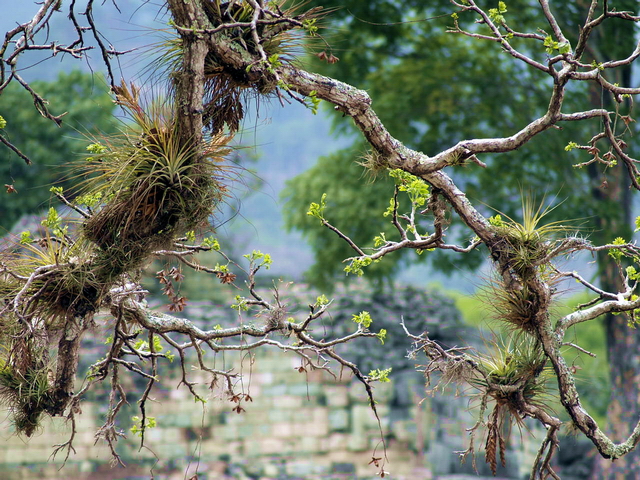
(380, 375)
(363, 318)
(317, 210)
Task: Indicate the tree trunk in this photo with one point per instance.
(623, 342)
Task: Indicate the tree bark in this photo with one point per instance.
(623, 342)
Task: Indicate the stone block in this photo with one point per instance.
(177, 420)
(168, 451)
(357, 393)
(304, 389)
(301, 415)
(271, 446)
(315, 429)
(337, 442)
(288, 402)
(306, 469)
(285, 430)
(279, 416)
(309, 444)
(338, 420)
(357, 443)
(261, 378)
(319, 414)
(337, 396)
(363, 418)
(404, 430)
(274, 390)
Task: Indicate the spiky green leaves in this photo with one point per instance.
(526, 243)
(513, 367)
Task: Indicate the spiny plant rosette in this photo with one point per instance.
(156, 186)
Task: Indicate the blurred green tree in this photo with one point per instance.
(432, 89)
(90, 109)
(453, 87)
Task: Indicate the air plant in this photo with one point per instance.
(528, 243)
(25, 386)
(152, 184)
(280, 41)
(53, 273)
(513, 376)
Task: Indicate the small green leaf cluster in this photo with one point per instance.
(273, 62)
(310, 26)
(497, 14)
(190, 235)
(3, 122)
(143, 345)
(89, 199)
(634, 317)
(241, 304)
(321, 301)
(632, 273)
(221, 268)
(283, 85)
(357, 265)
(379, 240)
(25, 237)
(314, 101)
(496, 220)
(382, 335)
(391, 208)
(54, 223)
(570, 146)
(615, 253)
(138, 428)
(317, 210)
(96, 149)
(415, 187)
(211, 243)
(380, 375)
(637, 222)
(257, 256)
(551, 45)
(363, 318)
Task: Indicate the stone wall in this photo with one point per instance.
(303, 425)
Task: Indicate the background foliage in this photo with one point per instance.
(91, 109)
